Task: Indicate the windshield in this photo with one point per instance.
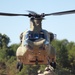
(35, 36)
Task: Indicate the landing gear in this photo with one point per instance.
(53, 63)
(36, 61)
(19, 66)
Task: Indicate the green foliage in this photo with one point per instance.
(4, 40)
(65, 58)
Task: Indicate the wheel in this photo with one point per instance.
(53, 64)
(19, 66)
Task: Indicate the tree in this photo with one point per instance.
(63, 56)
(5, 40)
(61, 52)
(0, 40)
(72, 57)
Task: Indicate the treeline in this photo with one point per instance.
(65, 58)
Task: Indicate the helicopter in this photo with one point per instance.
(35, 46)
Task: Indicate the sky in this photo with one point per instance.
(63, 26)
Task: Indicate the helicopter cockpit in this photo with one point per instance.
(35, 36)
(35, 39)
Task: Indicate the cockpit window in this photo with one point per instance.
(34, 36)
(42, 35)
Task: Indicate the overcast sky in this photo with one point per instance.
(63, 26)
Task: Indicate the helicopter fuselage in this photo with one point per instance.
(35, 49)
(35, 45)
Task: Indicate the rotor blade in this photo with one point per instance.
(61, 13)
(11, 14)
(32, 12)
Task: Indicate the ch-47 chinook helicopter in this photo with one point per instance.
(35, 47)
